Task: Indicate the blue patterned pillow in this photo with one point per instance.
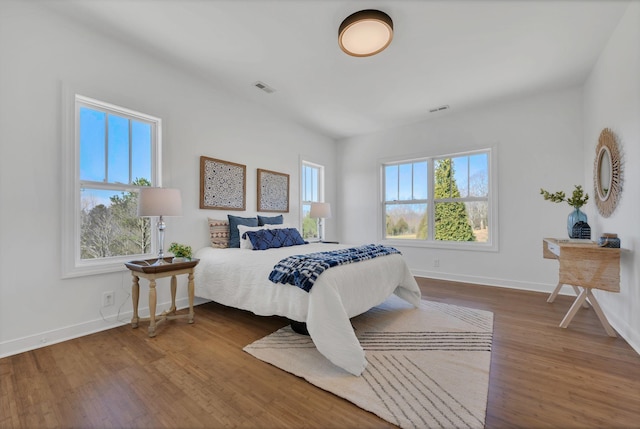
(273, 220)
(274, 238)
(234, 221)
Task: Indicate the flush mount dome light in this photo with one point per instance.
(365, 33)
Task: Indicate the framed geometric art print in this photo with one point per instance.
(273, 191)
(223, 184)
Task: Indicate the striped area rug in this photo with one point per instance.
(427, 367)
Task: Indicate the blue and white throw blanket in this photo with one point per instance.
(303, 270)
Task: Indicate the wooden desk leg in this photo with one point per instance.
(174, 286)
(191, 291)
(600, 314)
(152, 308)
(574, 308)
(586, 293)
(135, 295)
(576, 289)
(555, 292)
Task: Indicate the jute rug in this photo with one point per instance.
(427, 367)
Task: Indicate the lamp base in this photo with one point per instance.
(160, 261)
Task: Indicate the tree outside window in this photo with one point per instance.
(113, 228)
(452, 221)
(457, 210)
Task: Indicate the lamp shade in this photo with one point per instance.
(159, 202)
(320, 211)
(365, 33)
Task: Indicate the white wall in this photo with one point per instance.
(612, 100)
(539, 143)
(39, 53)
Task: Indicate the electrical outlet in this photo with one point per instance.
(436, 263)
(107, 299)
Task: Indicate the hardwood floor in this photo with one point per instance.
(197, 376)
(543, 376)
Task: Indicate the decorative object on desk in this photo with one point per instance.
(609, 240)
(222, 184)
(581, 230)
(320, 211)
(607, 173)
(577, 217)
(159, 202)
(273, 191)
(181, 252)
(578, 199)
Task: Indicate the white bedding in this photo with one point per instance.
(240, 278)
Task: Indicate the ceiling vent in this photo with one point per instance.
(439, 109)
(263, 86)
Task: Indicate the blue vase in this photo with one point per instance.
(574, 217)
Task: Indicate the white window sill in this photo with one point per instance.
(466, 246)
(101, 266)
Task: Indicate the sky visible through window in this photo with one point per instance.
(310, 187)
(467, 171)
(113, 150)
(399, 185)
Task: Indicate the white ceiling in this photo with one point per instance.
(449, 52)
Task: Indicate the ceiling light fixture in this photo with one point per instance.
(365, 33)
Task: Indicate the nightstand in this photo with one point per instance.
(146, 270)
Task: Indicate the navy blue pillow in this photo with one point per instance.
(274, 220)
(274, 238)
(234, 221)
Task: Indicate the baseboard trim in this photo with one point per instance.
(632, 337)
(492, 281)
(54, 336)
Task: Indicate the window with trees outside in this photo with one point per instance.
(116, 153)
(439, 200)
(312, 183)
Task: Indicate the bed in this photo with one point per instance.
(239, 278)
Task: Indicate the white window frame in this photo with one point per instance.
(320, 168)
(72, 264)
(491, 245)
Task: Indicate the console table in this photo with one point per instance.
(584, 265)
(147, 270)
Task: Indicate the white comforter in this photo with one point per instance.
(240, 278)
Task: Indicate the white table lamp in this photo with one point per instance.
(159, 202)
(320, 211)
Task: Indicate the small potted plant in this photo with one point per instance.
(181, 252)
(578, 199)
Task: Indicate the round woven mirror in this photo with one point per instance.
(607, 173)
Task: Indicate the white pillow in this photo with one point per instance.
(245, 243)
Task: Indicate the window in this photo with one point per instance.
(115, 152)
(442, 201)
(312, 188)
